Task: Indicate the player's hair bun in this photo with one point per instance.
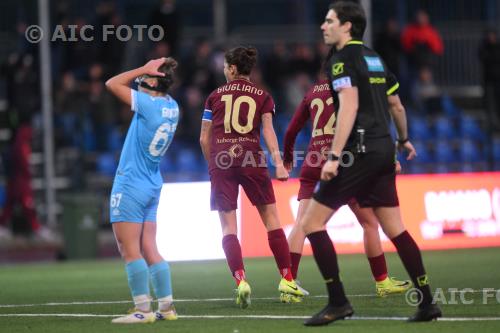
(244, 58)
(170, 64)
(251, 52)
(164, 83)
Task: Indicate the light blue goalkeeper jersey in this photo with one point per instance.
(149, 136)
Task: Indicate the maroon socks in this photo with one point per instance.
(232, 249)
(279, 247)
(378, 267)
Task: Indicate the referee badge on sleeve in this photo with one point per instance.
(337, 68)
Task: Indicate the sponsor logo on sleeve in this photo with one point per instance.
(374, 64)
(343, 82)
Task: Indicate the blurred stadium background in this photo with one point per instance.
(55, 91)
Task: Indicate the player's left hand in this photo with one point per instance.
(152, 66)
(329, 170)
(281, 173)
(288, 166)
(412, 152)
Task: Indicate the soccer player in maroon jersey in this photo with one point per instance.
(230, 141)
(318, 106)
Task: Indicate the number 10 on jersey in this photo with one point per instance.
(232, 113)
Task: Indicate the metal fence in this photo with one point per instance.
(460, 64)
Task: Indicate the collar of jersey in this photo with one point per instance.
(354, 42)
(241, 79)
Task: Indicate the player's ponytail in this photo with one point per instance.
(244, 58)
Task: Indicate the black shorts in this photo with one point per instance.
(371, 180)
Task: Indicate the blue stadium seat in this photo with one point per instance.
(67, 121)
(187, 161)
(115, 140)
(2, 196)
(449, 108)
(469, 152)
(168, 163)
(442, 168)
(106, 164)
(89, 138)
(444, 152)
(470, 129)
(303, 139)
(444, 128)
(496, 150)
(467, 167)
(423, 153)
(415, 168)
(281, 122)
(420, 130)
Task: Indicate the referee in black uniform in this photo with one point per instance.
(365, 97)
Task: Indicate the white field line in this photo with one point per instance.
(239, 317)
(176, 300)
(129, 301)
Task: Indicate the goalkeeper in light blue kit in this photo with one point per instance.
(137, 185)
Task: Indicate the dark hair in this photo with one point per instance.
(351, 12)
(164, 83)
(244, 58)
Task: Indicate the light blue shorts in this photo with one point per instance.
(127, 205)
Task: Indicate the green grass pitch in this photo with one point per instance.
(206, 289)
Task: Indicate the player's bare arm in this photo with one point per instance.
(205, 137)
(348, 101)
(398, 114)
(119, 85)
(272, 145)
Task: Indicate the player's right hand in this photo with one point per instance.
(152, 66)
(330, 169)
(281, 173)
(288, 166)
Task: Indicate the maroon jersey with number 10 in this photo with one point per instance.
(237, 108)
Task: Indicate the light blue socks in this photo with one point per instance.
(138, 282)
(160, 276)
(162, 284)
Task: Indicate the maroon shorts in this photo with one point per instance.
(256, 183)
(309, 177)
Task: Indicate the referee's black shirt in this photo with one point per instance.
(356, 65)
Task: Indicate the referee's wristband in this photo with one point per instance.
(403, 141)
(333, 157)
